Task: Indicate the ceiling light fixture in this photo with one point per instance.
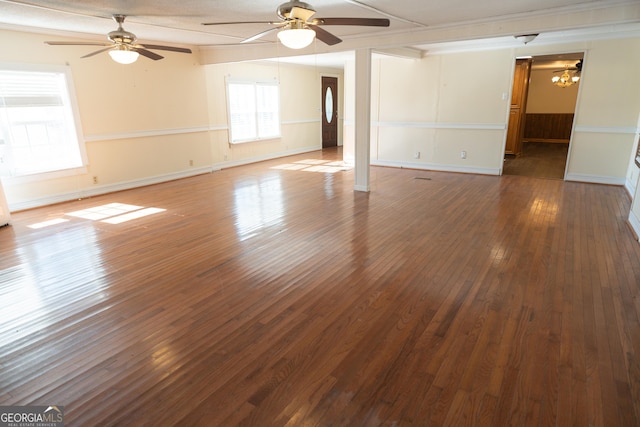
(296, 36)
(565, 80)
(526, 38)
(122, 55)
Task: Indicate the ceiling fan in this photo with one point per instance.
(122, 45)
(577, 68)
(297, 28)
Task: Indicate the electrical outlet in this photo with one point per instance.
(416, 155)
(95, 179)
(463, 154)
(190, 162)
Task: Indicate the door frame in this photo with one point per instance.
(339, 107)
(510, 94)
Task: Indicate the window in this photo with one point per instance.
(38, 130)
(254, 111)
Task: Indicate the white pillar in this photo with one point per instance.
(4, 208)
(363, 119)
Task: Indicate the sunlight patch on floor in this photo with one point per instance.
(133, 215)
(315, 165)
(111, 213)
(105, 211)
(48, 223)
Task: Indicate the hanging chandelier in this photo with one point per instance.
(565, 80)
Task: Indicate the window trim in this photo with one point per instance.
(228, 81)
(75, 111)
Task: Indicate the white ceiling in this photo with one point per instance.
(180, 22)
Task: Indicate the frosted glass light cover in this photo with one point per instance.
(296, 38)
(328, 105)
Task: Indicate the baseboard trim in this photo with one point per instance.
(271, 156)
(594, 179)
(105, 189)
(434, 167)
(127, 185)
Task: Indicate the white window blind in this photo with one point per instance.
(37, 126)
(254, 111)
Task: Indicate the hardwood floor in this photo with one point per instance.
(538, 160)
(275, 295)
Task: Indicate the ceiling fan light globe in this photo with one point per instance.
(296, 38)
(124, 56)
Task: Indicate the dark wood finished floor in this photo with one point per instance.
(275, 295)
(539, 160)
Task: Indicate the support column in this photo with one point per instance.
(363, 119)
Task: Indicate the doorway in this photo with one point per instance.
(540, 139)
(329, 111)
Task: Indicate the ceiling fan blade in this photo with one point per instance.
(367, 22)
(169, 48)
(325, 36)
(78, 43)
(147, 53)
(97, 52)
(240, 22)
(257, 36)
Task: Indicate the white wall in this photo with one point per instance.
(606, 114)
(449, 102)
(547, 98)
(436, 107)
(154, 121)
(300, 109)
(142, 122)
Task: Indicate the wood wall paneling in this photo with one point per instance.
(548, 127)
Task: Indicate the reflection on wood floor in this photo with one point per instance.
(538, 160)
(273, 294)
